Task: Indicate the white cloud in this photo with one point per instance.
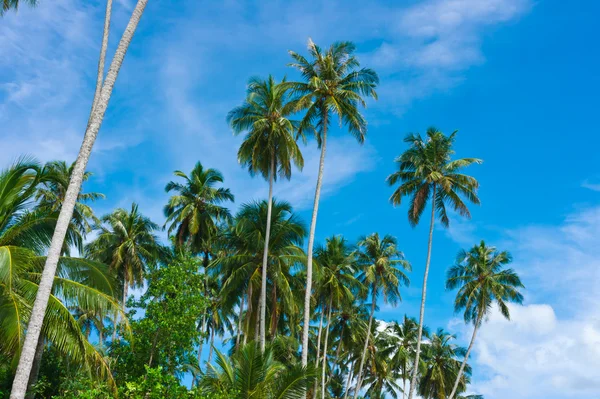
(591, 185)
(550, 348)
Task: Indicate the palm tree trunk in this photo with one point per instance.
(464, 362)
(257, 325)
(102, 58)
(66, 213)
(248, 313)
(201, 344)
(316, 389)
(239, 326)
(364, 354)
(413, 380)
(274, 312)
(263, 287)
(125, 289)
(404, 379)
(339, 347)
(311, 242)
(35, 370)
(212, 344)
(348, 380)
(325, 347)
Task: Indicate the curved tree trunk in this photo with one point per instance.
(35, 370)
(239, 325)
(311, 241)
(318, 357)
(325, 348)
(212, 345)
(66, 212)
(464, 362)
(364, 354)
(348, 380)
(263, 286)
(413, 379)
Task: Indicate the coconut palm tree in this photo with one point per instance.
(381, 375)
(54, 181)
(269, 149)
(253, 374)
(333, 85)
(99, 106)
(427, 172)
(382, 271)
(194, 212)
(402, 344)
(24, 237)
(128, 244)
(441, 359)
(337, 283)
(483, 281)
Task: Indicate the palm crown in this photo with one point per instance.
(482, 281)
(426, 171)
(270, 138)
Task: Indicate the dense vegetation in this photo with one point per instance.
(292, 320)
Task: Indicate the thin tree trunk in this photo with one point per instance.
(318, 357)
(464, 362)
(239, 326)
(311, 241)
(248, 313)
(101, 335)
(201, 344)
(102, 58)
(325, 347)
(257, 325)
(212, 345)
(339, 347)
(404, 380)
(35, 370)
(125, 289)
(413, 380)
(274, 312)
(348, 380)
(66, 213)
(364, 353)
(263, 286)
(153, 349)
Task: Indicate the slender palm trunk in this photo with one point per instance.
(201, 344)
(318, 357)
(66, 212)
(348, 380)
(364, 353)
(248, 313)
(263, 287)
(153, 349)
(212, 346)
(413, 380)
(404, 380)
(325, 348)
(274, 312)
(239, 325)
(311, 241)
(257, 325)
(464, 362)
(125, 289)
(339, 347)
(35, 370)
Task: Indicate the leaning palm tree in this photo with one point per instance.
(333, 86)
(383, 266)
(482, 280)
(24, 237)
(427, 172)
(269, 149)
(252, 374)
(104, 88)
(128, 244)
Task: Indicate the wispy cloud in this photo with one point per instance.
(591, 185)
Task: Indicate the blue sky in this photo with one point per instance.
(519, 80)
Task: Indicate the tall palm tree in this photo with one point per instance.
(99, 105)
(382, 375)
(337, 283)
(482, 280)
(195, 210)
(441, 366)
(252, 374)
(427, 172)
(51, 193)
(269, 149)
(128, 244)
(333, 86)
(383, 266)
(24, 237)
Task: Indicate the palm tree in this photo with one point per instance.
(382, 375)
(333, 85)
(51, 193)
(24, 236)
(482, 281)
(427, 172)
(253, 374)
(269, 149)
(128, 244)
(402, 344)
(441, 366)
(99, 105)
(14, 5)
(194, 212)
(382, 265)
(337, 283)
